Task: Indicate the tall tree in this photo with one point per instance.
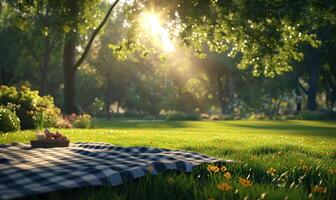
(268, 35)
(73, 13)
(39, 28)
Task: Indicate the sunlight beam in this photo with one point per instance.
(153, 25)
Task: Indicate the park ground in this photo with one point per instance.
(288, 159)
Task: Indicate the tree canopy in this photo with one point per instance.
(169, 52)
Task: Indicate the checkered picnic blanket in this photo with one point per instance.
(25, 171)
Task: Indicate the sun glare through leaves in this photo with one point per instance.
(153, 25)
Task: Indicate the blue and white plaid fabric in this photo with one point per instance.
(25, 171)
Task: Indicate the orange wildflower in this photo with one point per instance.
(224, 186)
(227, 175)
(245, 182)
(271, 171)
(332, 171)
(319, 189)
(223, 169)
(213, 168)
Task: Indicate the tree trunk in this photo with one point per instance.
(312, 91)
(222, 97)
(277, 107)
(328, 101)
(70, 102)
(298, 105)
(2, 76)
(108, 99)
(70, 64)
(298, 97)
(46, 58)
(45, 67)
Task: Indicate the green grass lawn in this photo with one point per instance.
(302, 154)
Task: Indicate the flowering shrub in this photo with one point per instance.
(73, 120)
(215, 117)
(205, 116)
(82, 121)
(32, 109)
(63, 123)
(180, 116)
(8, 120)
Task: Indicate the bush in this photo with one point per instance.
(215, 117)
(32, 109)
(316, 115)
(131, 114)
(97, 107)
(9, 122)
(149, 117)
(82, 121)
(63, 123)
(181, 116)
(74, 121)
(205, 116)
(117, 115)
(257, 116)
(221, 117)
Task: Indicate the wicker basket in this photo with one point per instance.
(48, 144)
